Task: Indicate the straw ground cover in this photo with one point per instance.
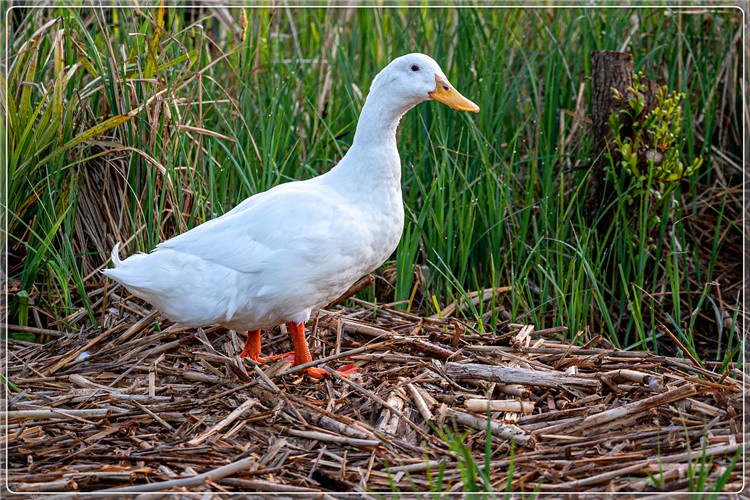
(133, 408)
(136, 124)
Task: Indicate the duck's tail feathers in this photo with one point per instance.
(115, 255)
(129, 271)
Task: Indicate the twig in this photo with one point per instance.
(213, 475)
(502, 352)
(388, 422)
(419, 402)
(38, 331)
(518, 376)
(82, 381)
(498, 429)
(225, 422)
(52, 486)
(357, 287)
(269, 487)
(651, 381)
(684, 349)
(45, 414)
(509, 405)
(154, 415)
(331, 438)
(681, 392)
(266, 380)
(473, 298)
(418, 467)
(518, 340)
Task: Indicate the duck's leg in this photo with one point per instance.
(302, 353)
(252, 347)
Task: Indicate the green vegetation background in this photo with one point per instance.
(189, 111)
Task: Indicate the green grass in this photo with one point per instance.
(188, 117)
(700, 469)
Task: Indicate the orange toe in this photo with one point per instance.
(257, 358)
(317, 373)
(347, 370)
(287, 356)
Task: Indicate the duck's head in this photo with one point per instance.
(414, 78)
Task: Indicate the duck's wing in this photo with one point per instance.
(301, 224)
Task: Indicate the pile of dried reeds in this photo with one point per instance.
(136, 406)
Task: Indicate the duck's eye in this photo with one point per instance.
(414, 67)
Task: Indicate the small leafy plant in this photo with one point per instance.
(646, 140)
(645, 162)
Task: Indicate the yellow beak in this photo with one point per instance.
(445, 93)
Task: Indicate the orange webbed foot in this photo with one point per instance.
(252, 347)
(302, 354)
(345, 371)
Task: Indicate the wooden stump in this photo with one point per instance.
(610, 71)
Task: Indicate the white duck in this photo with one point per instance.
(284, 253)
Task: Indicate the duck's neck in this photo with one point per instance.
(378, 121)
(372, 159)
